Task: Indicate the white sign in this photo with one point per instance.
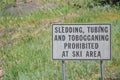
(81, 41)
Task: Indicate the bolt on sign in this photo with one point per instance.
(81, 41)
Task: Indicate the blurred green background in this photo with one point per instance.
(25, 39)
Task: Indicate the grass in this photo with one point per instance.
(29, 56)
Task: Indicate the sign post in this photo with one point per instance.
(63, 70)
(81, 42)
(102, 69)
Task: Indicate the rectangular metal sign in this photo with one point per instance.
(81, 41)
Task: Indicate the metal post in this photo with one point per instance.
(63, 70)
(102, 69)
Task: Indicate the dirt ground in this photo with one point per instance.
(26, 7)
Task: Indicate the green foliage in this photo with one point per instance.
(110, 2)
(116, 43)
(30, 58)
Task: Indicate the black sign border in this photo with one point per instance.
(84, 24)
